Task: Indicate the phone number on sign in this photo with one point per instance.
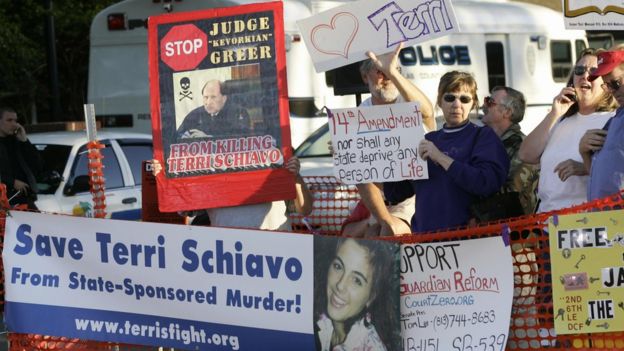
(486, 343)
(448, 321)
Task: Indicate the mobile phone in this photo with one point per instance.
(571, 96)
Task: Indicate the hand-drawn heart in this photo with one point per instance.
(335, 38)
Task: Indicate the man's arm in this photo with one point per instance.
(592, 141)
(388, 64)
(303, 201)
(188, 123)
(29, 152)
(373, 200)
(534, 144)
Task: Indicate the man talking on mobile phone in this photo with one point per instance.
(19, 161)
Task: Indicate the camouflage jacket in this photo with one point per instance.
(523, 177)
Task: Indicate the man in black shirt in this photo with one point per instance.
(19, 161)
(217, 117)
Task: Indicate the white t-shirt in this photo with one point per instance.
(369, 102)
(267, 215)
(563, 144)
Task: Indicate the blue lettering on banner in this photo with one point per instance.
(168, 293)
(134, 328)
(46, 245)
(80, 281)
(269, 303)
(34, 279)
(120, 251)
(231, 263)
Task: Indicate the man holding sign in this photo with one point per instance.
(387, 86)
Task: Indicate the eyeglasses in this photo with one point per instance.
(489, 101)
(613, 84)
(580, 70)
(464, 99)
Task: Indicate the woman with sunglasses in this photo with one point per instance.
(465, 161)
(580, 106)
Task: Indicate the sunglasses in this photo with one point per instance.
(489, 101)
(613, 84)
(580, 70)
(464, 99)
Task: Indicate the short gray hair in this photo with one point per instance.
(366, 66)
(514, 101)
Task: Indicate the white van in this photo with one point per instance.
(118, 80)
(501, 42)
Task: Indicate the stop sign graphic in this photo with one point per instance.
(183, 47)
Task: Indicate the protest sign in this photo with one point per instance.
(593, 15)
(455, 297)
(587, 253)
(356, 286)
(344, 34)
(158, 284)
(219, 107)
(193, 287)
(377, 143)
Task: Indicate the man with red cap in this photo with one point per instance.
(603, 149)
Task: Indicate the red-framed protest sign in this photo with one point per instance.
(219, 105)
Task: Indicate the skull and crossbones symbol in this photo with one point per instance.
(185, 85)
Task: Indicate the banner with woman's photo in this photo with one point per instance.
(209, 288)
(198, 288)
(219, 107)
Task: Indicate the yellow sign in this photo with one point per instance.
(587, 256)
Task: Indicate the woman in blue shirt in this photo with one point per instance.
(465, 161)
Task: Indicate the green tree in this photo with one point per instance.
(24, 80)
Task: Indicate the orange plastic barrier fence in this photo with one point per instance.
(532, 322)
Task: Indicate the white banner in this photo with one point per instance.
(593, 14)
(233, 289)
(343, 34)
(377, 143)
(158, 284)
(456, 295)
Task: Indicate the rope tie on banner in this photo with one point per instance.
(96, 178)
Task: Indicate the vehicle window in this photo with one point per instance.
(579, 46)
(54, 159)
(136, 152)
(601, 40)
(316, 144)
(561, 53)
(111, 169)
(495, 64)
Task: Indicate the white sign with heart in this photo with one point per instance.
(344, 34)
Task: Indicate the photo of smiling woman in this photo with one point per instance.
(356, 297)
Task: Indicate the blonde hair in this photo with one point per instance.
(607, 101)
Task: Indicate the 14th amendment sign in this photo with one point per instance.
(377, 143)
(219, 107)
